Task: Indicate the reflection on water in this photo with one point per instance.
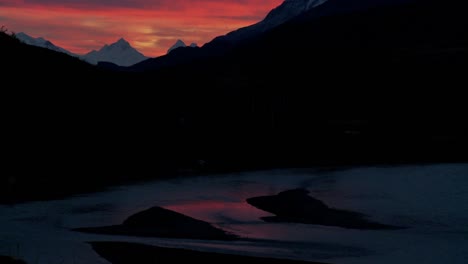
(219, 211)
(431, 199)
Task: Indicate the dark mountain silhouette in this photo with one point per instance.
(69, 124)
(18, 57)
(292, 8)
(379, 85)
(288, 10)
(338, 88)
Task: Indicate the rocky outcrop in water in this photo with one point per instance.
(298, 207)
(160, 222)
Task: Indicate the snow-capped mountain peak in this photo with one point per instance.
(307, 3)
(41, 42)
(119, 52)
(119, 44)
(122, 42)
(179, 43)
(289, 9)
(279, 15)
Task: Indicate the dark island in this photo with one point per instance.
(160, 222)
(298, 207)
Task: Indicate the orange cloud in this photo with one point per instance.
(150, 26)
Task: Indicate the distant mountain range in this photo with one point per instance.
(120, 53)
(180, 44)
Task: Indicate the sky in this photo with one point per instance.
(151, 26)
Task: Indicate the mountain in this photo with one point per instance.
(221, 44)
(40, 64)
(279, 92)
(41, 42)
(290, 9)
(284, 12)
(384, 84)
(120, 53)
(287, 11)
(179, 43)
(70, 111)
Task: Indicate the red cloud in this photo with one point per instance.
(147, 25)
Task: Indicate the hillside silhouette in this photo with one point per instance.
(379, 86)
(382, 84)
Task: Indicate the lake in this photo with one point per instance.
(431, 200)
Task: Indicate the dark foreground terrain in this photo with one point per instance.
(376, 86)
(10, 260)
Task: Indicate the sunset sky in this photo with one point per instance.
(151, 26)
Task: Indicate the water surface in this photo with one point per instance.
(430, 199)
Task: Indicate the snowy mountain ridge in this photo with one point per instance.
(41, 42)
(277, 16)
(120, 53)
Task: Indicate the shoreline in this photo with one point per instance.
(57, 188)
(129, 253)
